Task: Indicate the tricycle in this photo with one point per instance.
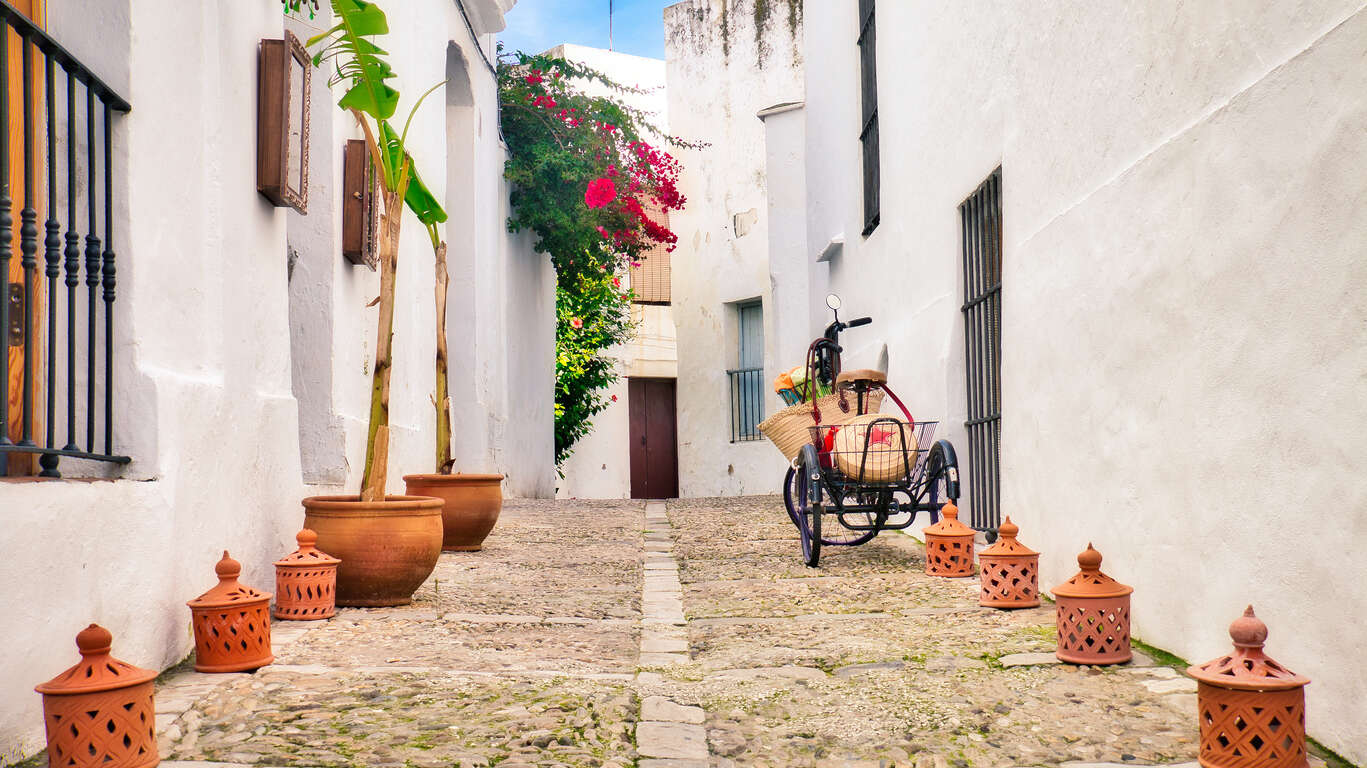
(863, 472)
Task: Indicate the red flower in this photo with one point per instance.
(600, 193)
(576, 323)
(533, 79)
(616, 282)
(614, 398)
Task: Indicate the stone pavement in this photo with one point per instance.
(624, 634)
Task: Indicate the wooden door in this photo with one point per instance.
(654, 442)
(23, 464)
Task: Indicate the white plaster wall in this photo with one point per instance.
(721, 74)
(206, 378)
(600, 466)
(1182, 357)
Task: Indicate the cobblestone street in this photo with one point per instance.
(616, 634)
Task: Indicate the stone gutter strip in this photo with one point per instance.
(669, 735)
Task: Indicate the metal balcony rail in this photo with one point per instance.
(747, 403)
(81, 90)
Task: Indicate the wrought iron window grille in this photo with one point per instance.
(981, 218)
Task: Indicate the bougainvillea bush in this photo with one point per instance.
(590, 181)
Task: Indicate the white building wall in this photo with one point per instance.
(212, 385)
(1182, 372)
(721, 74)
(600, 466)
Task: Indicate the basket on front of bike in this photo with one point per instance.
(876, 449)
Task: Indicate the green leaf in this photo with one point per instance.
(417, 197)
(360, 58)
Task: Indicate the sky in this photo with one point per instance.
(537, 25)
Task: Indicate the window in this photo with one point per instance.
(868, 133)
(981, 216)
(747, 379)
(650, 281)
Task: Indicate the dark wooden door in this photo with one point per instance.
(654, 444)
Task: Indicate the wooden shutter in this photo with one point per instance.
(868, 133)
(650, 282)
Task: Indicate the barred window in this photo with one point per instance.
(868, 134)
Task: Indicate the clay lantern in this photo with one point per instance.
(232, 623)
(100, 712)
(949, 545)
(306, 582)
(1010, 572)
(1252, 709)
(1093, 615)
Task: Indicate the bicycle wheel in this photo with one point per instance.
(790, 481)
(942, 477)
(843, 536)
(808, 505)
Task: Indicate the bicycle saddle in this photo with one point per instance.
(861, 374)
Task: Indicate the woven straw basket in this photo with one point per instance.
(890, 449)
(790, 428)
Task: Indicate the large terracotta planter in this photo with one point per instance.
(471, 506)
(387, 548)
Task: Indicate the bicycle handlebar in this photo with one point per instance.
(859, 322)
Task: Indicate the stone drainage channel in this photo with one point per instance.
(668, 735)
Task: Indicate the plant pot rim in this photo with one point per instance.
(352, 504)
(457, 478)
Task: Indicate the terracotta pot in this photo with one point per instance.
(388, 548)
(472, 504)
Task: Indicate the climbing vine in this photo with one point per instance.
(591, 184)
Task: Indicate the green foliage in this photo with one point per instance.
(356, 60)
(583, 372)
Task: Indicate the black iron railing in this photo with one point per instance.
(747, 403)
(83, 92)
(981, 216)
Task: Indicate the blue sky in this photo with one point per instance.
(637, 25)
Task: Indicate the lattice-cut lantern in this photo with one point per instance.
(1093, 615)
(232, 623)
(1010, 571)
(100, 712)
(306, 582)
(949, 545)
(1252, 709)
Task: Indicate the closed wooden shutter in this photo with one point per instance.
(868, 133)
(650, 281)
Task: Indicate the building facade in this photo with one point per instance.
(1124, 244)
(728, 61)
(242, 341)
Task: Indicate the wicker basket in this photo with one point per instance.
(790, 428)
(876, 448)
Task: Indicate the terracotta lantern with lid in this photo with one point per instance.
(100, 712)
(949, 545)
(1093, 615)
(232, 623)
(1010, 571)
(306, 582)
(1252, 709)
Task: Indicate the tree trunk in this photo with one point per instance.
(443, 399)
(376, 457)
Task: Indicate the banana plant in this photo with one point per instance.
(359, 66)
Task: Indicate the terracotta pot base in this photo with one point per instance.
(387, 548)
(471, 504)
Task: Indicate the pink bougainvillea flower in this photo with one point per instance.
(635, 263)
(576, 323)
(616, 282)
(603, 232)
(600, 193)
(534, 78)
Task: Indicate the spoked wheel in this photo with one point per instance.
(806, 508)
(839, 535)
(942, 477)
(790, 492)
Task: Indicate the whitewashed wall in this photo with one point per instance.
(600, 467)
(216, 402)
(1183, 366)
(721, 73)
